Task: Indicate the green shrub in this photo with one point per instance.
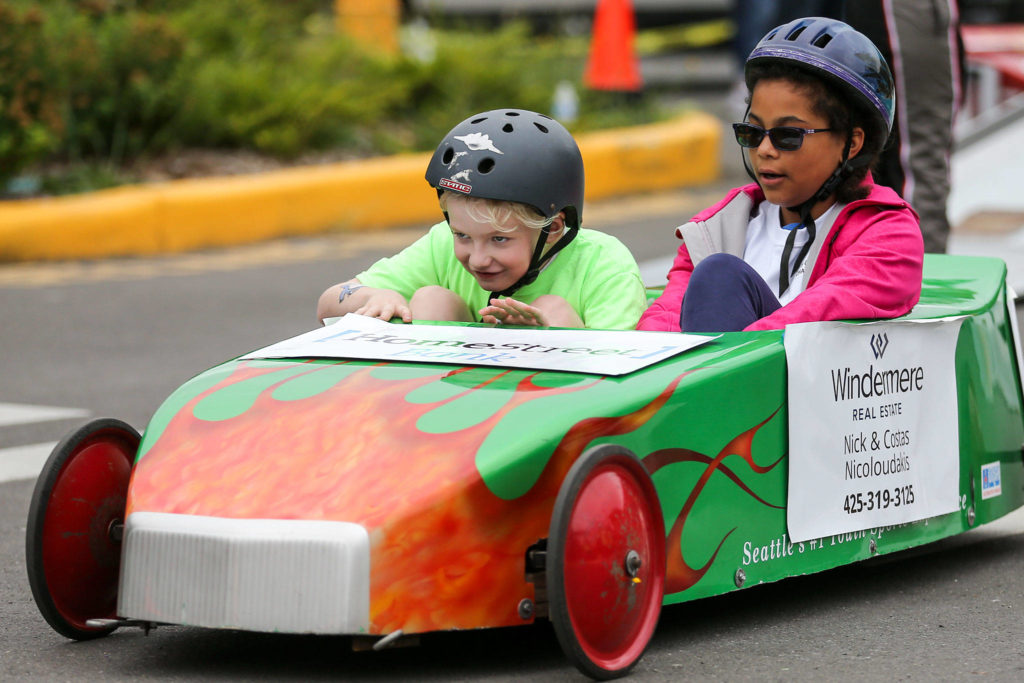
(30, 125)
(114, 71)
(103, 83)
(319, 94)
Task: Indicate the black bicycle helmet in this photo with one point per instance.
(518, 156)
(512, 155)
(845, 58)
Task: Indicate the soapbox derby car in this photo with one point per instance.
(385, 499)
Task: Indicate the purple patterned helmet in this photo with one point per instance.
(834, 51)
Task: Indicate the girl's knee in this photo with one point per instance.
(719, 264)
(718, 270)
(721, 259)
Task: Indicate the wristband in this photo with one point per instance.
(346, 290)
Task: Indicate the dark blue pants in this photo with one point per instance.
(725, 295)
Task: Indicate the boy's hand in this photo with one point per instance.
(512, 312)
(386, 304)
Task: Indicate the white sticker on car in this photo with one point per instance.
(991, 481)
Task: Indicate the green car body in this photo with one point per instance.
(454, 471)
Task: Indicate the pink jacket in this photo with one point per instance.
(868, 265)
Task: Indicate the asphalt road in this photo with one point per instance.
(114, 338)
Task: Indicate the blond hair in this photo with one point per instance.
(497, 212)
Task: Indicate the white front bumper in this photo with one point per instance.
(288, 576)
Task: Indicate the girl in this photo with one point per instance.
(510, 185)
(814, 238)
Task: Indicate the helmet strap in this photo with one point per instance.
(784, 270)
(843, 171)
(539, 258)
(743, 153)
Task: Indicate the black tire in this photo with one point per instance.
(72, 556)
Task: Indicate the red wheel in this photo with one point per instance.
(73, 536)
(606, 562)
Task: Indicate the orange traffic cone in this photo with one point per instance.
(613, 64)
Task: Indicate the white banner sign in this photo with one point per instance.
(873, 434)
(590, 351)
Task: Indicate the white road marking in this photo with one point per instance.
(23, 462)
(22, 413)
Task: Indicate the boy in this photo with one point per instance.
(510, 185)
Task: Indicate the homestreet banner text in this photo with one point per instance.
(597, 352)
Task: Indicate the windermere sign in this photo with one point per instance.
(873, 433)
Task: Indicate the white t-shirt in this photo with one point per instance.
(766, 238)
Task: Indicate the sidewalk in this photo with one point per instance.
(986, 202)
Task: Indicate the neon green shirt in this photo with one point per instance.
(595, 274)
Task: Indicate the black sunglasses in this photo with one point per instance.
(784, 138)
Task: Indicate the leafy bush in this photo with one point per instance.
(114, 73)
(283, 95)
(103, 83)
(29, 120)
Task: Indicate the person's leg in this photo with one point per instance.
(437, 303)
(919, 39)
(926, 64)
(557, 311)
(725, 294)
(753, 19)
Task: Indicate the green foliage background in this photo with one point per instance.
(99, 84)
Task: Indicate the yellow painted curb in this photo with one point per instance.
(365, 194)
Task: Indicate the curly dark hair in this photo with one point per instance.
(830, 99)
